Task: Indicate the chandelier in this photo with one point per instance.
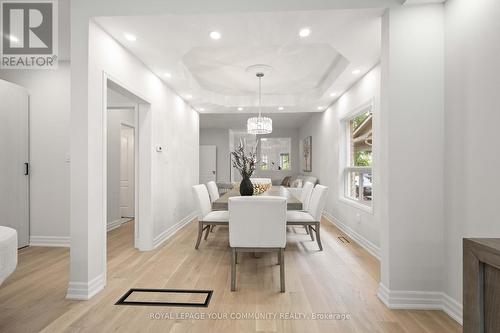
(260, 125)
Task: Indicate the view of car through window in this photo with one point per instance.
(359, 172)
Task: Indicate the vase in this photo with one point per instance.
(246, 187)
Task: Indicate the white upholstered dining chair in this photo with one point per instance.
(207, 217)
(213, 190)
(305, 195)
(305, 198)
(311, 218)
(257, 224)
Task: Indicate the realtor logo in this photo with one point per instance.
(29, 34)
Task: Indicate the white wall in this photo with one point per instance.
(324, 129)
(174, 125)
(472, 115)
(116, 117)
(437, 151)
(220, 138)
(412, 121)
(49, 92)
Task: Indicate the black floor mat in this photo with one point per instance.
(130, 295)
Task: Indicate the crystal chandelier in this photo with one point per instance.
(260, 125)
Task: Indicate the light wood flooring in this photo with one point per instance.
(342, 279)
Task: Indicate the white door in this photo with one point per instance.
(127, 171)
(208, 163)
(14, 150)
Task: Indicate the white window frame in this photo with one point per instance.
(282, 161)
(345, 159)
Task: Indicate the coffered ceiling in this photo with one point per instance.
(307, 72)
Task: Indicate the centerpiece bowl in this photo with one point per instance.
(261, 185)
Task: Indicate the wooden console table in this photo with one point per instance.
(481, 285)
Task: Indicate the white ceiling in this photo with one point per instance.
(222, 70)
(239, 120)
(305, 70)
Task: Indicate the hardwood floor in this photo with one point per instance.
(341, 279)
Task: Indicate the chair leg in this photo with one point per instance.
(282, 270)
(233, 269)
(200, 233)
(279, 258)
(212, 228)
(318, 237)
(311, 232)
(206, 232)
(307, 229)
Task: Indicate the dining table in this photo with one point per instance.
(275, 191)
(293, 204)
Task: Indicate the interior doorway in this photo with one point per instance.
(122, 151)
(208, 163)
(121, 125)
(123, 106)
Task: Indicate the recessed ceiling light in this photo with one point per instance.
(304, 32)
(321, 108)
(188, 96)
(130, 37)
(281, 108)
(356, 71)
(201, 109)
(333, 94)
(167, 75)
(240, 109)
(215, 35)
(13, 38)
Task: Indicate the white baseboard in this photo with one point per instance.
(117, 223)
(158, 240)
(453, 308)
(362, 241)
(404, 299)
(85, 290)
(58, 241)
(420, 300)
(397, 299)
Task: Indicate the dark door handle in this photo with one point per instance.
(26, 169)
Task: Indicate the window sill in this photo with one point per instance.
(365, 208)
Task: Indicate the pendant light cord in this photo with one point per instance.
(260, 96)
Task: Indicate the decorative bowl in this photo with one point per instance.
(260, 185)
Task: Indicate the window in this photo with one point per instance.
(275, 154)
(285, 161)
(264, 163)
(357, 171)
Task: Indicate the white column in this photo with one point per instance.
(87, 271)
(412, 148)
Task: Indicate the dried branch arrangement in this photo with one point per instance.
(245, 162)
